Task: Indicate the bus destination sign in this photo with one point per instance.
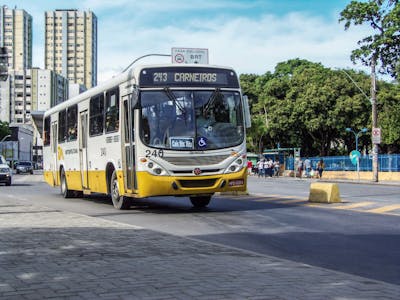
(156, 77)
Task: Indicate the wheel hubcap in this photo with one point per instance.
(115, 190)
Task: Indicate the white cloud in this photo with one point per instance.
(249, 45)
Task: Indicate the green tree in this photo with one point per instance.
(4, 129)
(384, 45)
(303, 104)
(389, 116)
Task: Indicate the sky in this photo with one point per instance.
(252, 36)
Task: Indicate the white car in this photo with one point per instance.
(5, 171)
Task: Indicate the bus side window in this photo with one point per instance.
(46, 132)
(112, 111)
(62, 126)
(96, 110)
(72, 123)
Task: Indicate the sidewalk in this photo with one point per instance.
(339, 180)
(50, 254)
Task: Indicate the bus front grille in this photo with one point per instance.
(197, 183)
(195, 160)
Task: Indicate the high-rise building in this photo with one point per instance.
(16, 37)
(30, 90)
(71, 45)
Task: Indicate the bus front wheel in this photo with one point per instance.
(119, 202)
(200, 201)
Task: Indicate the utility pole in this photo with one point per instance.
(375, 149)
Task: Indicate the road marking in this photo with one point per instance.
(293, 201)
(384, 209)
(303, 201)
(355, 205)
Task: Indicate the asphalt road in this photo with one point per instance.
(274, 220)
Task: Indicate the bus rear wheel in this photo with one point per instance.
(200, 201)
(119, 202)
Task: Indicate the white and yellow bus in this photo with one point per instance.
(157, 130)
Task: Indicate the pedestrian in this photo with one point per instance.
(249, 167)
(300, 168)
(320, 168)
(276, 167)
(307, 167)
(259, 166)
(265, 167)
(271, 167)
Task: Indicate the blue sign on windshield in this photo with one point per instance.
(201, 142)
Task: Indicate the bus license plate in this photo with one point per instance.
(236, 182)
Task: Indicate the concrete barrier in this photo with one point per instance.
(321, 192)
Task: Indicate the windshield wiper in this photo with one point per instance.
(172, 97)
(212, 99)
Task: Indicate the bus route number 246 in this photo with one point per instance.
(160, 77)
(154, 153)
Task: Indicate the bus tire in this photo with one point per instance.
(200, 201)
(64, 186)
(119, 202)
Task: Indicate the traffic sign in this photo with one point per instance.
(189, 56)
(376, 135)
(355, 156)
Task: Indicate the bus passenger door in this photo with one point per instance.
(129, 163)
(54, 152)
(83, 158)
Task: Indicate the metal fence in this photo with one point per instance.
(387, 163)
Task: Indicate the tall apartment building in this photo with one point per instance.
(31, 90)
(71, 45)
(16, 37)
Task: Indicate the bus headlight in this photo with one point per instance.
(153, 168)
(235, 166)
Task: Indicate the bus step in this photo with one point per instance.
(86, 191)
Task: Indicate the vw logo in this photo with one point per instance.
(197, 171)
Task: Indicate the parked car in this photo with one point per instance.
(24, 167)
(5, 171)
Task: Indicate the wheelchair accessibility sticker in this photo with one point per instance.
(201, 142)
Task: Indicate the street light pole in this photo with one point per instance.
(375, 149)
(6, 137)
(143, 56)
(356, 136)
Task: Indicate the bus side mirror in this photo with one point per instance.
(135, 99)
(247, 119)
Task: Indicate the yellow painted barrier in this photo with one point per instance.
(321, 192)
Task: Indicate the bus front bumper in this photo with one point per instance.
(151, 185)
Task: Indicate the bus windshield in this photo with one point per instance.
(191, 120)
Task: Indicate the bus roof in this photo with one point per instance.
(131, 74)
